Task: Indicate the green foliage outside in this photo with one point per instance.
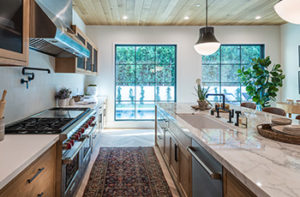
(262, 83)
(119, 96)
(145, 65)
(131, 96)
(142, 95)
(220, 69)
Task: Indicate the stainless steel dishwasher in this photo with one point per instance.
(206, 173)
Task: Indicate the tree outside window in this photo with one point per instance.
(145, 74)
(219, 71)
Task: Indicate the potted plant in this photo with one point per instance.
(262, 83)
(63, 96)
(201, 94)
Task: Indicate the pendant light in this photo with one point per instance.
(288, 10)
(207, 43)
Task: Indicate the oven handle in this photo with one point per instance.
(69, 160)
(212, 174)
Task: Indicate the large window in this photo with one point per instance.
(219, 71)
(145, 74)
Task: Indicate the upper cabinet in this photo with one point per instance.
(79, 64)
(14, 32)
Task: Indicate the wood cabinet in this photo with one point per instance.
(79, 64)
(174, 158)
(185, 173)
(14, 33)
(177, 159)
(36, 180)
(232, 187)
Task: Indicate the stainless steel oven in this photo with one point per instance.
(77, 156)
(71, 163)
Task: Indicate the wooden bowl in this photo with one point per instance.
(281, 121)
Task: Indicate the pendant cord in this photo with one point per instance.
(206, 12)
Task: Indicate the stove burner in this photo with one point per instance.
(39, 126)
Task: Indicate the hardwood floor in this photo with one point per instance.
(125, 138)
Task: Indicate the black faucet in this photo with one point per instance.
(218, 111)
(223, 97)
(237, 117)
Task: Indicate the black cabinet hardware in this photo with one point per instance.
(38, 172)
(41, 194)
(176, 152)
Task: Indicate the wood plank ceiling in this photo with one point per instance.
(173, 12)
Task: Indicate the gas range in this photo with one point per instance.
(51, 121)
(76, 128)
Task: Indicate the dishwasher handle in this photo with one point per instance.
(212, 174)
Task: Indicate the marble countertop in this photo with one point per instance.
(266, 167)
(17, 152)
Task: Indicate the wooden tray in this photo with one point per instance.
(196, 107)
(265, 130)
(220, 110)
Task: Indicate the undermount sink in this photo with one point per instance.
(204, 122)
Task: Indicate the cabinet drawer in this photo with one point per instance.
(233, 187)
(174, 157)
(160, 139)
(37, 179)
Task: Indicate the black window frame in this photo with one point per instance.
(262, 55)
(136, 101)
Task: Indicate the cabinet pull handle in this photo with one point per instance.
(176, 152)
(212, 174)
(38, 172)
(41, 194)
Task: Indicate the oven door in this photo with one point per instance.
(71, 172)
(86, 152)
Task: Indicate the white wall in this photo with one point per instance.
(78, 21)
(290, 40)
(188, 61)
(22, 102)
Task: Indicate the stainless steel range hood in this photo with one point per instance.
(50, 31)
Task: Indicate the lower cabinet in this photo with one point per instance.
(36, 180)
(188, 180)
(177, 159)
(185, 173)
(232, 187)
(174, 158)
(166, 155)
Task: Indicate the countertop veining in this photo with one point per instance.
(268, 168)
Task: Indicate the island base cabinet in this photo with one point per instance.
(233, 187)
(160, 140)
(36, 180)
(174, 158)
(185, 173)
(167, 147)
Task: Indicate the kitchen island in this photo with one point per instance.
(262, 166)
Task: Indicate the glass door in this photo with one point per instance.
(14, 29)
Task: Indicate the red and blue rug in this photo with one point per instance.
(133, 171)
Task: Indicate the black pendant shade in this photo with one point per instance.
(207, 43)
(206, 35)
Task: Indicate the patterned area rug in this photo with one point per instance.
(127, 172)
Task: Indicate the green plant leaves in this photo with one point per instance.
(262, 84)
